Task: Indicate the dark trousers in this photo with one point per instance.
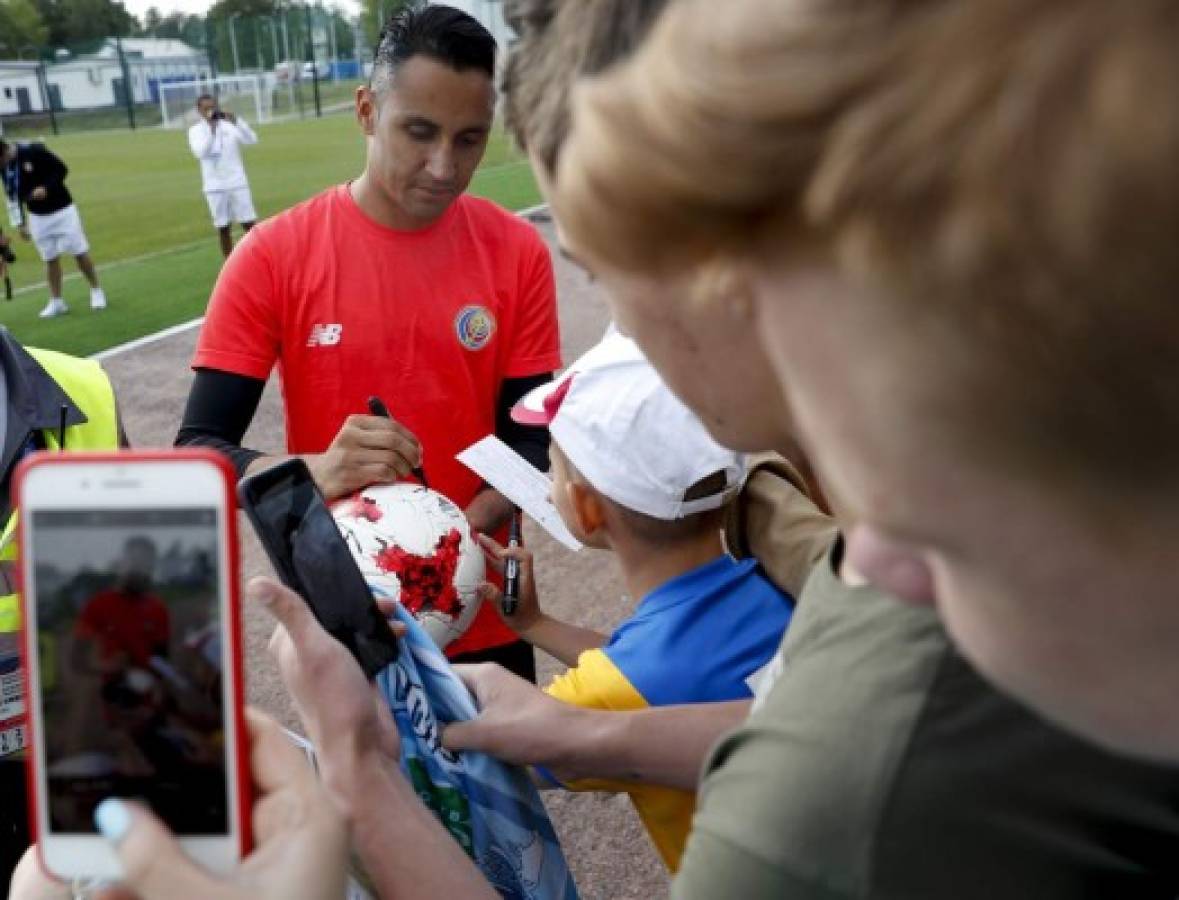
(14, 822)
(517, 657)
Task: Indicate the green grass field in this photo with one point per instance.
(139, 194)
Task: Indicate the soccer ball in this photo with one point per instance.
(413, 545)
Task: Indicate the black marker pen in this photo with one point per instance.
(512, 567)
(378, 408)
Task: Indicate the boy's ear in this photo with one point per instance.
(587, 507)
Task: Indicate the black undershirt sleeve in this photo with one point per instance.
(530, 441)
(219, 410)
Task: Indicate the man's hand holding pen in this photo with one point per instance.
(369, 449)
(377, 407)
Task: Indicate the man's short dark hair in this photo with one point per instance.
(203, 97)
(442, 33)
(141, 542)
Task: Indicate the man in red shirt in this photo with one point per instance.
(127, 623)
(396, 285)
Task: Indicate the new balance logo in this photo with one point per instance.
(325, 335)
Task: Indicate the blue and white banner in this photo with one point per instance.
(492, 809)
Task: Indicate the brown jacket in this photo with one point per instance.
(774, 520)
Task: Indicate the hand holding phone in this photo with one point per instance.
(309, 555)
(343, 714)
(297, 856)
(129, 563)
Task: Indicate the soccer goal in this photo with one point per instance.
(248, 96)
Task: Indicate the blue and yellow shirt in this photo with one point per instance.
(695, 639)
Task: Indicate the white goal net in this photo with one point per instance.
(248, 96)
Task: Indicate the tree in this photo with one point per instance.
(377, 12)
(179, 26)
(21, 26)
(223, 9)
(76, 22)
(345, 36)
(247, 14)
(338, 21)
(151, 21)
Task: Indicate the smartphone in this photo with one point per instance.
(310, 556)
(132, 653)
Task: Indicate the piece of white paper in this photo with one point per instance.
(514, 477)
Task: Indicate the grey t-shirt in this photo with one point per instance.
(879, 765)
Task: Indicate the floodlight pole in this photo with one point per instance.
(233, 45)
(358, 41)
(211, 52)
(332, 38)
(128, 87)
(46, 97)
(311, 59)
(286, 35)
(273, 39)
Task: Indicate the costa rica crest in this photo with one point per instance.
(474, 326)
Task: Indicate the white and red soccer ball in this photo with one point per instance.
(415, 546)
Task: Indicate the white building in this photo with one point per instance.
(20, 91)
(95, 80)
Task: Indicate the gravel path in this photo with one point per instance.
(609, 852)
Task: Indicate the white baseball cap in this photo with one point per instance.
(629, 435)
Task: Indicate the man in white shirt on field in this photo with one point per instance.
(216, 141)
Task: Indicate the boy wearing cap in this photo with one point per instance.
(635, 472)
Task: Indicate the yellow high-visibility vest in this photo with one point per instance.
(88, 387)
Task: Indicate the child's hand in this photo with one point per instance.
(528, 612)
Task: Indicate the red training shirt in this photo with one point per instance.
(135, 626)
(430, 321)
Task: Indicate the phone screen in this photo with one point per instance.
(311, 557)
(130, 664)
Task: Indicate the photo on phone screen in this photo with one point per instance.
(130, 664)
(309, 554)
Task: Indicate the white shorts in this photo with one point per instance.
(58, 234)
(231, 206)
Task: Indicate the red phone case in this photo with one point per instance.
(241, 751)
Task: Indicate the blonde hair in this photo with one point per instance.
(1006, 169)
(715, 128)
(558, 42)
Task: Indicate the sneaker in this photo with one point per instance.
(97, 299)
(55, 307)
